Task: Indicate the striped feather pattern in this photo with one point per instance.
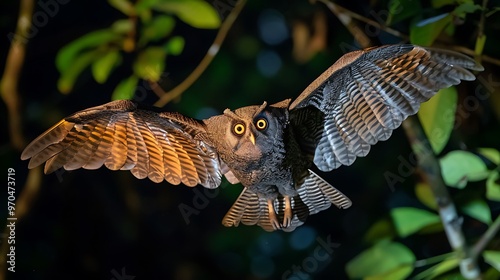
(314, 195)
(121, 136)
(367, 94)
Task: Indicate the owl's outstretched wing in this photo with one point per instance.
(120, 135)
(367, 94)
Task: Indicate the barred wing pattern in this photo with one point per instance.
(367, 94)
(314, 195)
(119, 135)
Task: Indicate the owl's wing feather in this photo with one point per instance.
(120, 135)
(367, 94)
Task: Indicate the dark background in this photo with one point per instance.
(97, 224)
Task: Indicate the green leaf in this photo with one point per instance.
(399, 273)
(382, 258)
(408, 220)
(438, 269)
(160, 27)
(466, 8)
(196, 13)
(175, 45)
(425, 32)
(402, 9)
(492, 258)
(102, 67)
(478, 210)
(424, 194)
(493, 186)
(491, 274)
(381, 229)
(67, 55)
(122, 26)
(437, 117)
(150, 64)
(441, 3)
(491, 154)
(459, 167)
(125, 89)
(70, 74)
(123, 6)
(480, 41)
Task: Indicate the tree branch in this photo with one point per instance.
(166, 97)
(9, 82)
(344, 16)
(452, 223)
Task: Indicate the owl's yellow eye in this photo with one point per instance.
(239, 129)
(261, 124)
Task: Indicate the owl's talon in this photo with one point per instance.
(287, 217)
(273, 219)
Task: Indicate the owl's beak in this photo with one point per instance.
(251, 138)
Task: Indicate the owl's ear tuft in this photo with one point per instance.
(282, 104)
(261, 108)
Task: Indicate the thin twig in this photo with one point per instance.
(485, 238)
(10, 94)
(166, 97)
(9, 82)
(452, 223)
(335, 8)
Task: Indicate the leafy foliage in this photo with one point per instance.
(103, 50)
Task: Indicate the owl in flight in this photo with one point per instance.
(269, 148)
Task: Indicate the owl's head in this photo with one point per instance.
(250, 131)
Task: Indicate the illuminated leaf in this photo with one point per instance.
(150, 64)
(492, 258)
(402, 9)
(122, 26)
(493, 186)
(437, 117)
(424, 194)
(491, 154)
(438, 269)
(160, 27)
(125, 89)
(175, 45)
(196, 13)
(478, 210)
(381, 229)
(440, 3)
(123, 6)
(425, 32)
(102, 67)
(459, 167)
(69, 53)
(409, 220)
(398, 273)
(70, 74)
(382, 258)
(466, 8)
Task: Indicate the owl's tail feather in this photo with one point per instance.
(314, 195)
(248, 209)
(318, 194)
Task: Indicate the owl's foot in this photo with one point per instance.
(287, 217)
(272, 214)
